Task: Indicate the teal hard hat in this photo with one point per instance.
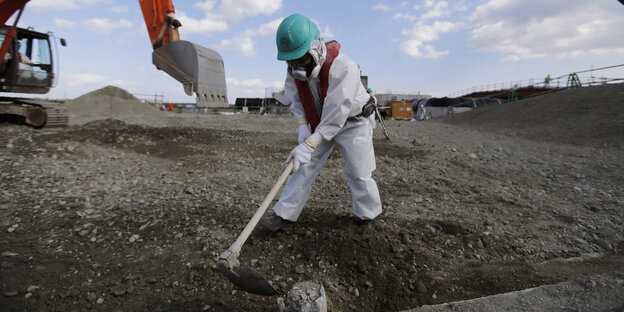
(369, 90)
(294, 36)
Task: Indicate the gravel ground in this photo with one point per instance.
(131, 214)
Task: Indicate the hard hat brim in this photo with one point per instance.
(293, 55)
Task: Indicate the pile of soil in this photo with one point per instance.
(113, 215)
(592, 116)
(110, 103)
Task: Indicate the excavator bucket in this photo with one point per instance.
(199, 69)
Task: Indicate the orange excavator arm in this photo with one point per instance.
(199, 69)
(7, 8)
(159, 19)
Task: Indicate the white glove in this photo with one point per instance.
(304, 133)
(302, 153)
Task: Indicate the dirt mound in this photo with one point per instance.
(591, 116)
(109, 103)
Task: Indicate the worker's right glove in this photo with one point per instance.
(304, 133)
(302, 153)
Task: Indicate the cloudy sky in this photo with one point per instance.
(434, 47)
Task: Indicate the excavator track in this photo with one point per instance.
(35, 112)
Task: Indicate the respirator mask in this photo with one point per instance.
(302, 67)
(307, 66)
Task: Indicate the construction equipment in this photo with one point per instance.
(244, 278)
(199, 69)
(27, 66)
(573, 81)
(381, 119)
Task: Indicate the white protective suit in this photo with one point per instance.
(345, 97)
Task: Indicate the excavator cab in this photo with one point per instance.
(28, 66)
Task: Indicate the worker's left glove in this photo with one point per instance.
(370, 106)
(302, 153)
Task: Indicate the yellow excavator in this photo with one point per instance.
(28, 64)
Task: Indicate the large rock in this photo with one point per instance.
(306, 296)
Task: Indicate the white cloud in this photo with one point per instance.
(58, 5)
(416, 49)
(105, 25)
(420, 33)
(206, 25)
(242, 45)
(120, 9)
(381, 7)
(561, 28)
(431, 32)
(239, 9)
(269, 28)
(404, 16)
(205, 6)
(63, 23)
(218, 13)
(436, 9)
(253, 87)
(325, 30)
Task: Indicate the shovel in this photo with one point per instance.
(244, 278)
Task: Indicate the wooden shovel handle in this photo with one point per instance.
(238, 244)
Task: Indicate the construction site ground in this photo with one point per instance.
(131, 213)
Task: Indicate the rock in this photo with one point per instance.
(479, 244)
(604, 245)
(430, 228)
(118, 291)
(133, 238)
(91, 297)
(421, 288)
(10, 293)
(306, 296)
(300, 269)
(322, 265)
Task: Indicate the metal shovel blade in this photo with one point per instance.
(199, 69)
(247, 280)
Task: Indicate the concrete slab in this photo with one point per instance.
(604, 292)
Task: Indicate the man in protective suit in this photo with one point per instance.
(332, 108)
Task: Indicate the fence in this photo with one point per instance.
(557, 82)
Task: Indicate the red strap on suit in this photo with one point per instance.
(314, 118)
